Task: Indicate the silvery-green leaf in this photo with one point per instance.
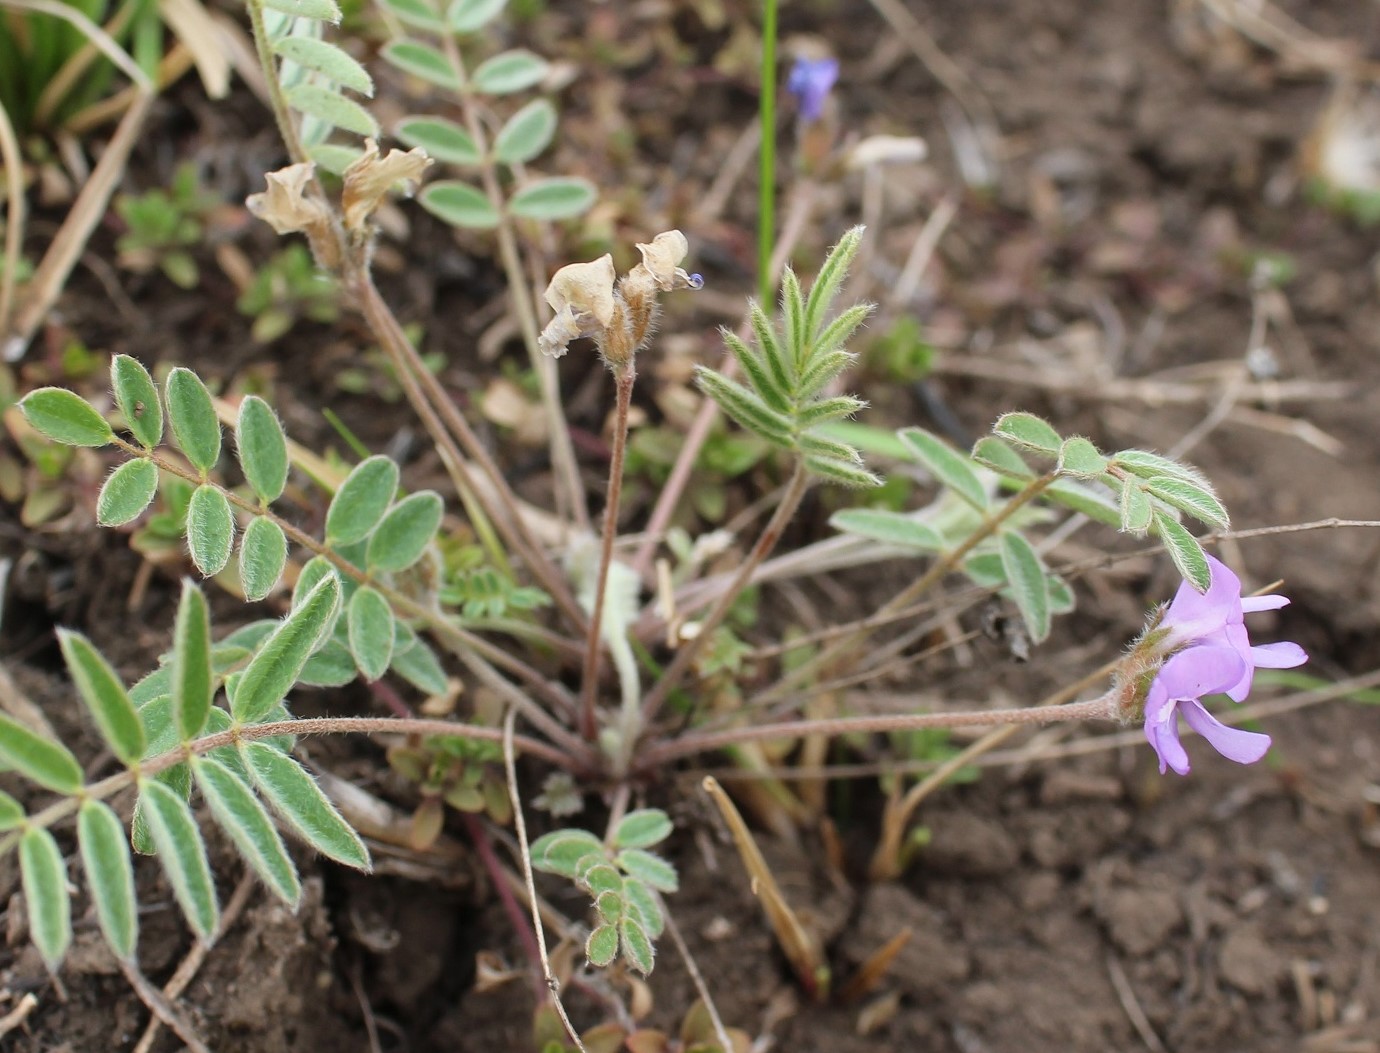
(316, 10)
(459, 204)
(210, 529)
(331, 666)
(419, 666)
(1195, 500)
(1135, 507)
(1077, 456)
(311, 575)
(1152, 465)
(602, 946)
(262, 447)
(947, 465)
(465, 16)
(109, 875)
(560, 197)
(825, 410)
(841, 472)
(182, 854)
(772, 388)
(405, 532)
(1061, 597)
(891, 528)
(137, 397)
(644, 901)
(44, 876)
(65, 417)
(509, 72)
(279, 661)
(330, 107)
(1025, 573)
(993, 453)
(637, 948)
(11, 812)
(263, 554)
(193, 682)
(440, 138)
(38, 759)
(417, 13)
(370, 623)
(334, 157)
(424, 61)
(648, 868)
(127, 492)
(985, 569)
(560, 851)
(1028, 432)
(830, 278)
(642, 828)
(1183, 549)
(745, 407)
(101, 689)
(361, 501)
(294, 795)
(195, 427)
(526, 133)
(327, 59)
(833, 337)
(242, 817)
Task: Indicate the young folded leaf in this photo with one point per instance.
(192, 678)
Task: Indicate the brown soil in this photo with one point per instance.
(1083, 904)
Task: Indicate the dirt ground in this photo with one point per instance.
(1083, 904)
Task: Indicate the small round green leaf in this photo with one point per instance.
(295, 796)
(424, 61)
(242, 817)
(262, 448)
(330, 107)
(637, 948)
(1079, 457)
(331, 666)
(642, 828)
(509, 72)
(994, 453)
(138, 400)
(1029, 432)
(560, 851)
(459, 204)
(558, 198)
(648, 868)
(193, 417)
(193, 683)
(263, 554)
(100, 688)
(110, 875)
(602, 946)
(127, 492)
(370, 623)
(210, 529)
(327, 59)
(279, 661)
(465, 16)
(526, 133)
(182, 853)
(334, 158)
(65, 417)
(361, 501)
(44, 877)
(442, 139)
(405, 532)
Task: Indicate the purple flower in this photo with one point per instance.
(1213, 654)
(809, 82)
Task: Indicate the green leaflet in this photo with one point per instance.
(994, 453)
(422, 60)
(100, 688)
(459, 204)
(330, 107)
(637, 948)
(1079, 457)
(509, 72)
(440, 138)
(948, 465)
(242, 817)
(38, 759)
(890, 528)
(1025, 573)
(361, 501)
(648, 868)
(193, 417)
(137, 397)
(465, 16)
(182, 853)
(279, 661)
(263, 554)
(11, 812)
(262, 446)
(560, 851)
(1183, 549)
(44, 877)
(65, 417)
(420, 667)
(526, 133)
(110, 875)
(602, 946)
(210, 529)
(369, 621)
(296, 798)
(560, 197)
(405, 532)
(327, 59)
(127, 492)
(316, 10)
(1028, 432)
(642, 828)
(192, 679)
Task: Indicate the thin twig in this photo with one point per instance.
(163, 1009)
(696, 978)
(1131, 1005)
(14, 219)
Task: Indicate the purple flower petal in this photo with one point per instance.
(809, 82)
(1200, 671)
(1251, 604)
(1282, 655)
(1194, 614)
(1244, 747)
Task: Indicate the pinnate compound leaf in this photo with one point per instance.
(279, 661)
(193, 417)
(100, 688)
(648, 868)
(602, 946)
(65, 417)
(637, 948)
(440, 138)
(210, 529)
(422, 60)
(44, 876)
(1028, 432)
(11, 812)
(327, 59)
(370, 624)
(240, 815)
(465, 16)
(127, 492)
(642, 828)
(405, 532)
(993, 453)
(560, 197)
(263, 554)
(509, 72)
(1195, 500)
(294, 795)
(38, 759)
(459, 204)
(948, 465)
(1079, 457)
(182, 853)
(110, 875)
(890, 528)
(193, 681)
(137, 397)
(330, 107)
(1183, 549)
(1025, 573)
(526, 133)
(362, 500)
(560, 851)
(262, 446)
(316, 10)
